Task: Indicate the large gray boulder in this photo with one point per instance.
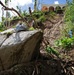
(19, 48)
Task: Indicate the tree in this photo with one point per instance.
(7, 13)
(35, 5)
(69, 16)
(12, 9)
(69, 1)
(19, 9)
(2, 13)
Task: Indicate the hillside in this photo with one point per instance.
(53, 32)
(47, 62)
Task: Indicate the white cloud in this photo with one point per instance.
(15, 3)
(23, 2)
(56, 2)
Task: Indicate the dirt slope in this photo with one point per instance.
(52, 32)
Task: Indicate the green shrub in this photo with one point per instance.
(51, 14)
(2, 26)
(52, 51)
(37, 14)
(24, 13)
(31, 28)
(69, 17)
(15, 17)
(42, 19)
(65, 42)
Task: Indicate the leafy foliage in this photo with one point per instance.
(6, 1)
(31, 28)
(16, 17)
(19, 9)
(52, 51)
(24, 13)
(52, 14)
(2, 26)
(42, 19)
(37, 14)
(58, 8)
(65, 42)
(69, 16)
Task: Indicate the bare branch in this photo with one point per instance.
(12, 9)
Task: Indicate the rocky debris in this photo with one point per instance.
(19, 48)
(48, 24)
(40, 67)
(54, 33)
(50, 35)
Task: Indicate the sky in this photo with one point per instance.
(52, 1)
(25, 4)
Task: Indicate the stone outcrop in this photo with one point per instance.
(19, 48)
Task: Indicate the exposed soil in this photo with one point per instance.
(52, 33)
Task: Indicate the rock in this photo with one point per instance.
(43, 67)
(21, 27)
(2, 39)
(11, 30)
(19, 48)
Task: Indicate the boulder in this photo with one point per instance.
(19, 48)
(11, 30)
(2, 39)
